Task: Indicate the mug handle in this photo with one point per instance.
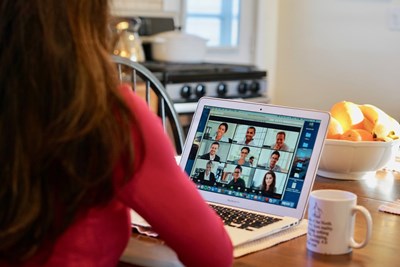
(368, 220)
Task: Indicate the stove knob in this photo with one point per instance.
(186, 91)
(200, 90)
(242, 87)
(254, 87)
(222, 89)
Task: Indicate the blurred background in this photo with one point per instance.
(315, 53)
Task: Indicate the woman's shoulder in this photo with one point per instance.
(129, 96)
(137, 105)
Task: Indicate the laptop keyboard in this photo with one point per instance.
(243, 219)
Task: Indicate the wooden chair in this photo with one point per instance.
(146, 84)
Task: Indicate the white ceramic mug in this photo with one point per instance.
(331, 218)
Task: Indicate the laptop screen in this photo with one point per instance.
(251, 155)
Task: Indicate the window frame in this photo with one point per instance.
(243, 53)
(226, 18)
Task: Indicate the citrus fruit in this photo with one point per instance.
(357, 135)
(379, 122)
(368, 125)
(335, 129)
(348, 114)
(371, 112)
(383, 128)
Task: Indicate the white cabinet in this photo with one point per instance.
(157, 8)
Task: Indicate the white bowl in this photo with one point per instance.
(351, 160)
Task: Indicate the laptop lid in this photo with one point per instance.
(235, 150)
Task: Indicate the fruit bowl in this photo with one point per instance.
(354, 160)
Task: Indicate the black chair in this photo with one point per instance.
(145, 83)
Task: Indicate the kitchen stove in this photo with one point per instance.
(187, 82)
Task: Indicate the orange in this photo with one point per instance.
(348, 114)
(368, 125)
(357, 135)
(335, 130)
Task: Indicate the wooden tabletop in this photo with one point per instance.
(383, 248)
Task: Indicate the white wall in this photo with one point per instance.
(266, 40)
(332, 50)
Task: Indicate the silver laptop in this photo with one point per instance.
(255, 164)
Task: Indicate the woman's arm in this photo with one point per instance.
(163, 194)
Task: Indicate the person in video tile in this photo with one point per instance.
(249, 138)
(280, 142)
(222, 129)
(244, 152)
(251, 161)
(272, 165)
(212, 155)
(207, 176)
(237, 181)
(268, 183)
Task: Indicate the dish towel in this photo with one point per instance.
(148, 251)
(392, 207)
(271, 240)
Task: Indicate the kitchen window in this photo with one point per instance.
(215, 20)
(240, 35)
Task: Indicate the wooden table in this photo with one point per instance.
(383, 248)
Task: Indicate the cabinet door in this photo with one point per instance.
(136, 7)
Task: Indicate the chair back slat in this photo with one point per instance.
(154, 92)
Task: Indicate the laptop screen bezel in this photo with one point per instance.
(262, 207)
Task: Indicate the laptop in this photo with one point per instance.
(255, 164)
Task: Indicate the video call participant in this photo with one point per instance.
(207, 176)
(274, 158)
(244, 152)
(251, 161)
(212, 155)
(268, 183)
(249, 138)
(280, 142)
(237, 181)
(222, 129)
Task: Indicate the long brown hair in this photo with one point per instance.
(63, 125)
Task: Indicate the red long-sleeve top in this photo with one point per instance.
(159, 191)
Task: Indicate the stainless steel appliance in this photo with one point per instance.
(186, 83)
(127, 42)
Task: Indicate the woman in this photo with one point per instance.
(207, 176)
(77, 151)
(268, 183)
(222, 129)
